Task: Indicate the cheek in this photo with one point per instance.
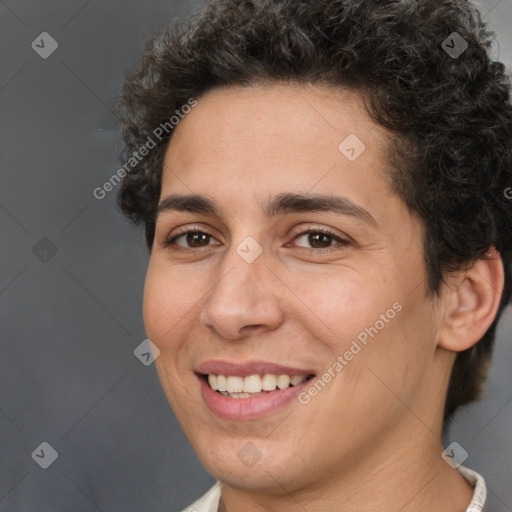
(398, 356)
(167, 305)
(341, 305)
(377, 324)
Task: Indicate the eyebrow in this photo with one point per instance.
(280, 204)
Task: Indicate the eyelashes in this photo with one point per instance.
(171, 241)
(200, 235)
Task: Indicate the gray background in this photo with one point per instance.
(70, 321)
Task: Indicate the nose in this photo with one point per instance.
(244, 298)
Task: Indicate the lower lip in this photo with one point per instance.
(249, 408)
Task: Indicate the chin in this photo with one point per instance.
(239, 464)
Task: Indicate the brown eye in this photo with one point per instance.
(194, 238)
(320, 239)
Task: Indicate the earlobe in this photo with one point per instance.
(472, 304)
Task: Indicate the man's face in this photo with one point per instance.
(256, 294)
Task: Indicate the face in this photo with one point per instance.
(285, 286)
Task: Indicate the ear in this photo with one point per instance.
(472, 303)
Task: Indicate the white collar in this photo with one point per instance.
(209, 502)
(480, 492)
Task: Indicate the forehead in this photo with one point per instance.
(274, 138)
(278, 116)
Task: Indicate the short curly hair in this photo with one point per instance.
(449, 115)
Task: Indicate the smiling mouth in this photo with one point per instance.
(234, 386)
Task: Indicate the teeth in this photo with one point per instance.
(269, 382)
(212, 380)
(222, 383)
(297, 379)
(252, 385)
(235, 384)
(283, 381)
(242, 395)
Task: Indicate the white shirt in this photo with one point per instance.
(209, 502)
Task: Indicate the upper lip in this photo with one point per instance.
(220, 367)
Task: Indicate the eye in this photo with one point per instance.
(195, 238)
(320, 239)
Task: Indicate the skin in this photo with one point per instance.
(370, 440)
